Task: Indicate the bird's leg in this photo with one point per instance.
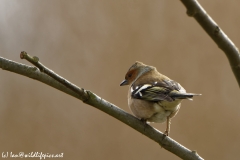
(166, 133)
(168, 126)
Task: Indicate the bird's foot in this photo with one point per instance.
(165, 135)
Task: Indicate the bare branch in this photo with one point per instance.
(58, 82)
(194, 9)
(34, 73)
(35, 61)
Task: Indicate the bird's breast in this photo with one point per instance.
(150, 111)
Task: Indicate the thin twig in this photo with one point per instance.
(35, 61)
(34, 73)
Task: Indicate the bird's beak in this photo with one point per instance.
(124, 82)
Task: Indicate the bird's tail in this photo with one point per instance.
(178, 95)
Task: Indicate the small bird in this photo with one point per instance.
(152, 96)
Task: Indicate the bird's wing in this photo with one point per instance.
(167, 90)
(152, 93)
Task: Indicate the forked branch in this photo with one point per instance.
(47, 76)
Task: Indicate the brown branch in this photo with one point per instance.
(194, 9)
(47, 76)
(35, 61)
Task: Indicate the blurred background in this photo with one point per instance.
(92, 44)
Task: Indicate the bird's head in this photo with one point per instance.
(134, 72)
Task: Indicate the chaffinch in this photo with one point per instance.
(152, 96)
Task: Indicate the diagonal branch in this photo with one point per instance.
(47, 76)
(194, 9)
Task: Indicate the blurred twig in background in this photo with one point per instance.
(194, 9)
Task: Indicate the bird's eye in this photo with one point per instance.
(129, 75)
